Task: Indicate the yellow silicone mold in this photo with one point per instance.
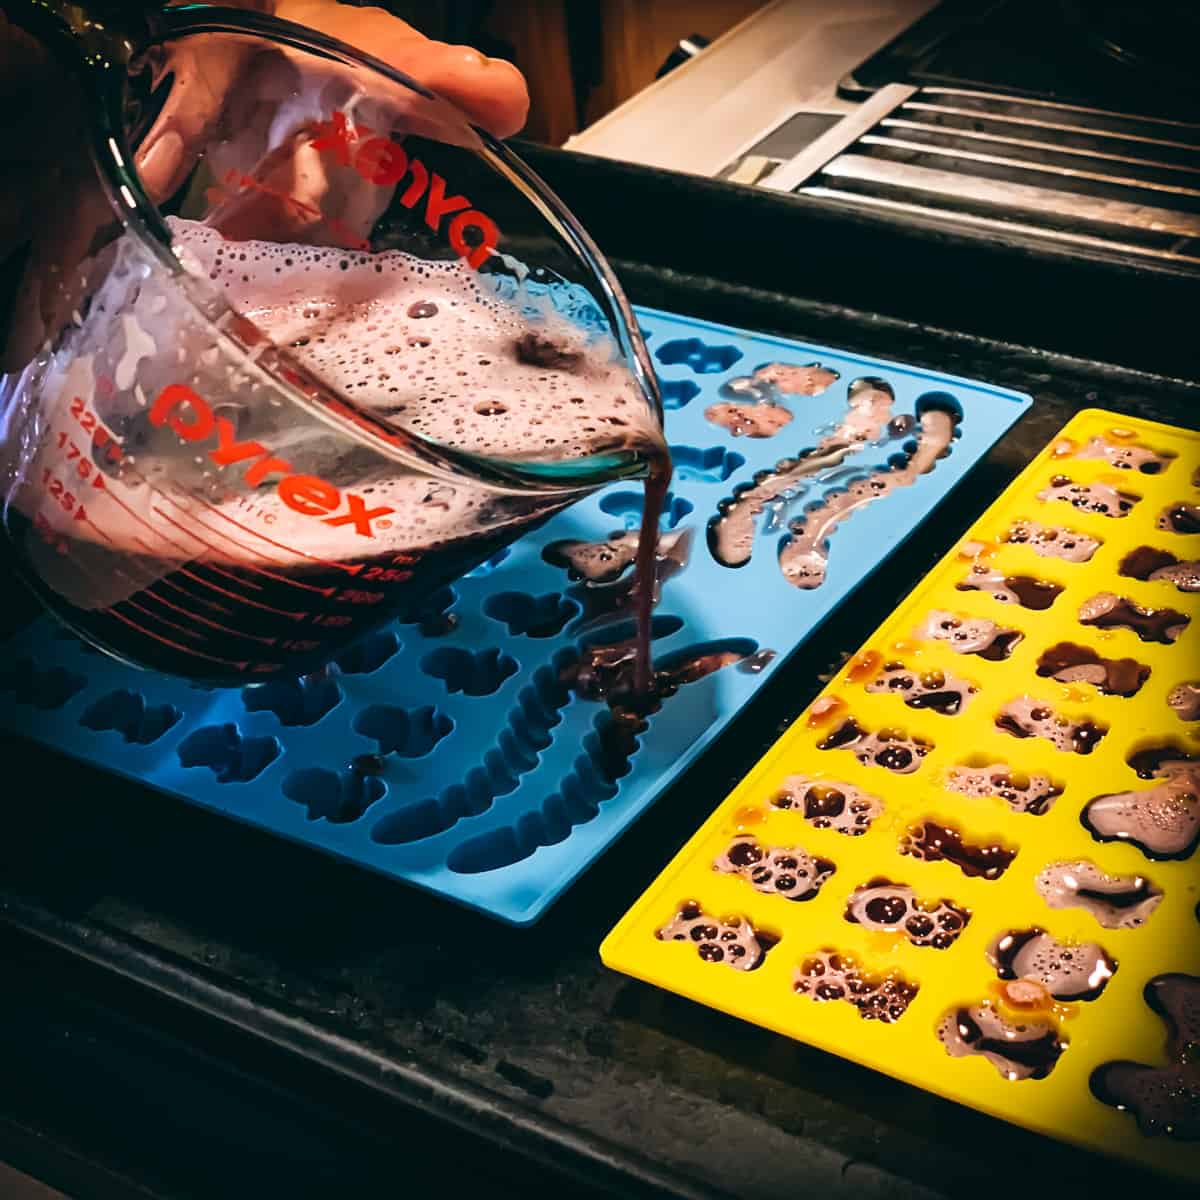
(753, 922)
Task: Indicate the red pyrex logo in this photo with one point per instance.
(381, 161)
(191, 417)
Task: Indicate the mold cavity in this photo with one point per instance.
(712, 465)
(889, 748)
(731, 941)
(128, 714)
(1180, 518)
(628, 507)
(45, 688)
(1053, 541)
(1037, 969)
(1068, 662)
(302, 701)
(835, 975)
(1116, 901)
(531, 616)
(1118, 450)
(490, 564)
(678, 393)
(434, 618)
(970, 635)
(231, 757)
(474, 673)
(755, 420)
(1025, 590)
(829, 803)
(369, 653)
(1160, 566)
(408, 732)
(1162, 821)
(336, 798)
(787, 871)
(1157, 760)
(1108, 611)
(526, 734)
(699, 356)
(932, 841)
(1018, 1049)
(1099, 498)
(1163, 1099)
(935, 690)
(1033, 794)
(1026, 717)
(1184, 701)
(941, 402)
(886, 907)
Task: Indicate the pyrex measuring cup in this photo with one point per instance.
(296, 346)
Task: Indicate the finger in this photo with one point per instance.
(490, 91)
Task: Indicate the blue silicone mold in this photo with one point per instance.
(491, 792)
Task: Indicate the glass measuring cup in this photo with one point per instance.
(296, 346)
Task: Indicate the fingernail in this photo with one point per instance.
(163, 156)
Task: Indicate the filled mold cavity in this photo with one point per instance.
(804, 551)
(303, 701)
(1157, 760)
(1024, 793)
(1162, 821)
(629, 506)
(1164, 1100)
(710, 464)
(936, 841)
(1118, 449)
(406, 732)
(1100, 498)
(1052, 541)
(731, 941)
(892, 749)
(338, 798)
(787, 871)
(1152, 565)
(935, 690)
(231, 757)
(1023, 590)
(882, 906)
(1036, 969)
(755, 420)
(526, 615)
(1116, 901)
(829, 804)
(128, 714)
(1026, 717)
(969, 635)
(1020, 1048)
(774, 379)
(1184, 700)
(1069, 662)
(40, 687)
(698, 356)
(1105, 610)
(369, 653)
(1180, 518)
(472, 672)
(831, 974)
(678, 393)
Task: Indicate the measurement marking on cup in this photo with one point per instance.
(283, 612)
(349, 568)
(241, 666)
(165, 620)
(195, 616)
(194, 598)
